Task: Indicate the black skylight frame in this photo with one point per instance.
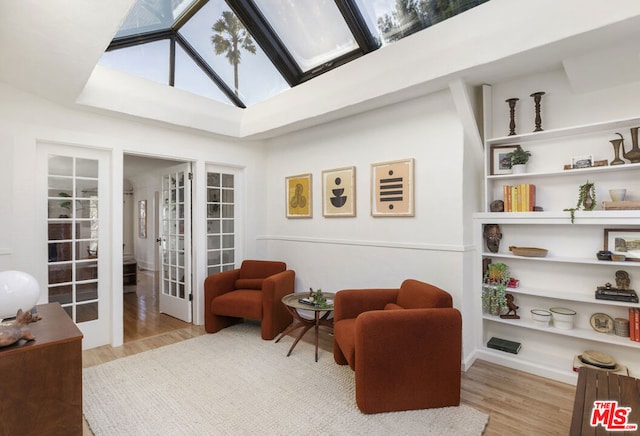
(264, 35)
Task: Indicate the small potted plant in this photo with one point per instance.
(586, 199)
(519, 159)
(496, 280)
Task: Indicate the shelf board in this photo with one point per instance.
(566, 296)
(578, 260)
(533, 361)
(582, 217)
(580, 333)
(565, 132)
(573, 172)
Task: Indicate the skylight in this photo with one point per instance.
(242, 52)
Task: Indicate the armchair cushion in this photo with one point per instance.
(404, 357)
(249, 283)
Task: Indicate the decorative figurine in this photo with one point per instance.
(512, 308)
(616, 150)
(497, 206)
(622, 279)
(634, 154)
(492, 236)
(13, 332)
(621, 292)
(512, 115)
(537, 96)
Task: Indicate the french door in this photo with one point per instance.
(77, 220)
(174, 242)
(222, 195)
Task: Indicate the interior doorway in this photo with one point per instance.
(141, 288)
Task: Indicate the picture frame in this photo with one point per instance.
(584, 161)
(298, 196)
(392, 188)
(142, 219)
(339, 192)
(623, 241)
(500, 164)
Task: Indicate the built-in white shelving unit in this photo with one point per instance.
(569, 275)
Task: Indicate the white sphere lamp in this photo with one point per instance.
(18, 290)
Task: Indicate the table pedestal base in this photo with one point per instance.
(306, 324)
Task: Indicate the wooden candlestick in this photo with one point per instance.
(512, 115)
(537, 96)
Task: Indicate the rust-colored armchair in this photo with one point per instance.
(253, 291)
(405, 346)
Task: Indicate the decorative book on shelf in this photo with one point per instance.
(621, 205)
(504, 345)
(519, 198)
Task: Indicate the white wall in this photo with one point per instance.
(363, 251)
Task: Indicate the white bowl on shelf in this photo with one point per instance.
(563, 317)
(617, 194)
(541, 317)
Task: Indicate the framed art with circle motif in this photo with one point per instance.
(339, 192)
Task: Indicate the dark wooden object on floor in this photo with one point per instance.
(595, 385)
(129, 272)
(42, 379)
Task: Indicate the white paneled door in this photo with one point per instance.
(174, 243)
(77, 223)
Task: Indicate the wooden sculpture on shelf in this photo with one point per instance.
(18, 329)
(512, 308)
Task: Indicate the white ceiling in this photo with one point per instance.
(51, 49)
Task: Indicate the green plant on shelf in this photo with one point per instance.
(494, 286)
(586, 199)
(318, 299)
(519, 156)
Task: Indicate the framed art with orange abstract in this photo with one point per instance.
(298, 198)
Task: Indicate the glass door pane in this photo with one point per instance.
(72, 226)
(220, 222)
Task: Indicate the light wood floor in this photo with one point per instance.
(516, 402)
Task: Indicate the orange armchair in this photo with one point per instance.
(253, 291)
(405, 346)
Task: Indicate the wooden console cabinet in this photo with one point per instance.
(42, 380)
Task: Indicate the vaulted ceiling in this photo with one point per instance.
(52, 49)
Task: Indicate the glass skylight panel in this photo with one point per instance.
(392, 20)
(190, 77)
(150, 15)
(243, 66)
(314, 32)
(150, 60)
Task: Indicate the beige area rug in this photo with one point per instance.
(234, 383)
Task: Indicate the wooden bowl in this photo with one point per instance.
(529, 251)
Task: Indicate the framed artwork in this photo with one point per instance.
(500, 163)
(623, 241)
(582, 161)
(339, 192)
(392, 188)
(298, 191)
(142, 219)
